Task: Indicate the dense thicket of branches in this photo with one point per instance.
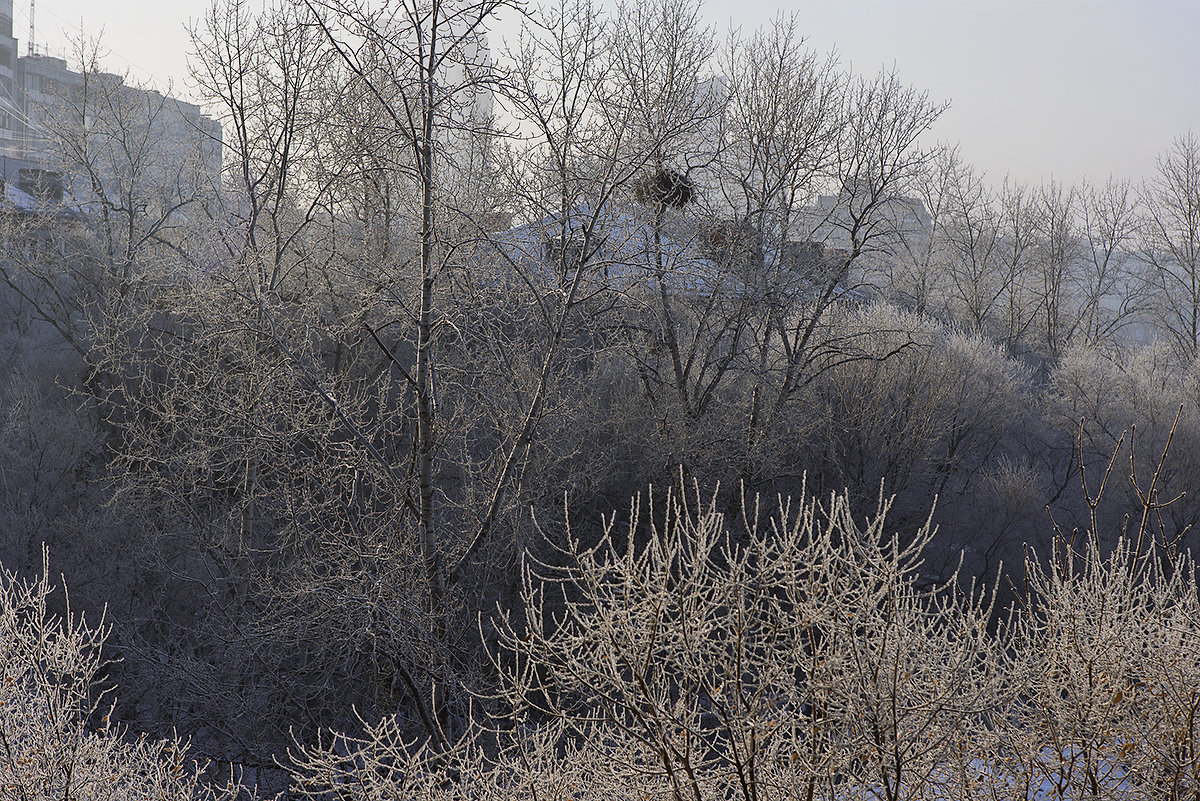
(324, 413)
(798, 654)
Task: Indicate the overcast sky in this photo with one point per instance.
(1038, 88)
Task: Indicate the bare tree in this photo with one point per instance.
(1113, 390)
(1112, 291)
(1101, 704)
(128, 170)
(266, 76)
(421, 63)
(918, 276)
(671, 102)
(876, 154)
(928, 411)
(781, 124)
(1170, 240)
(1016, 251)
(1056, 256)
(972, 233)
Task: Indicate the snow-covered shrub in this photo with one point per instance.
(1105, 667)
(1107, 401)
(937, 417)
(56, 741)
(787, 655)
(806, 655)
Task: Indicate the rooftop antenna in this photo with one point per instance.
(31, 2)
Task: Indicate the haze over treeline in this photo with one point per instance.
(459, 410)
(1066, 91)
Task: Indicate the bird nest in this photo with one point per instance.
(665, 188)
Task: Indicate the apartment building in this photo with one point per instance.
(41, 93)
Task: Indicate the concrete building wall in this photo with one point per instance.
(38, 91)
(10, 109)
(42, 84)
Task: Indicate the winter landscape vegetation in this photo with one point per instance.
(622, 410)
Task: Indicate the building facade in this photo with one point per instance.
(41, 95)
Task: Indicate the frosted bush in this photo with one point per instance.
(56, 739)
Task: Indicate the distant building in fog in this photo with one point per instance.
(37, 90)
(828, 221)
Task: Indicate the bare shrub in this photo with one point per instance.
(799, 654)
(1135, 400)
(1104, 659)
(56, 740)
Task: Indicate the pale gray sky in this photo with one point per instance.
(1038, 88)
